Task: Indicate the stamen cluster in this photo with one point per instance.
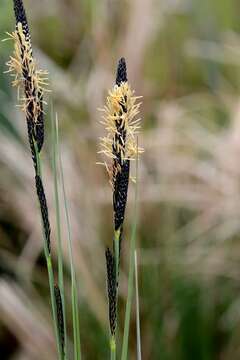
(119, 120)
(119, 144)
(120, 147)
(30, 81)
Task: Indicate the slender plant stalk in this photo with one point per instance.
(113, 353)
(49, 268)
(53, 303)
(74, 292)
(30, 82)
(116, 244)
(55, 142)
(130, 274)
(138, 327)
(119, 145)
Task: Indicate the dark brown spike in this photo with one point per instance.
(31, 93)
(112, 290)
(120, 166)
(21, 17)
(19, 11)
(60, 317)
(121, 72)
(44, 210)
(120, 193)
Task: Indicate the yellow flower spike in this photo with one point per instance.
(119, 145)
(120, 98)
(22, 66)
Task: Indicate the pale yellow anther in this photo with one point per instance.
(21, 63)
(119, 120)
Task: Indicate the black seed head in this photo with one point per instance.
(120, 192)
(112, 290)
(60, 317)
(121, 72)
(44, 210)
(20, 15)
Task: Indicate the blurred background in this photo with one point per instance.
(183, 57)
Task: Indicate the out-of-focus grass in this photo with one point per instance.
(183, 58)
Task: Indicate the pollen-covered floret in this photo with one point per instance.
(121, 124)
(29, 80)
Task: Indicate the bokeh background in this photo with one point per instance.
(184, 59)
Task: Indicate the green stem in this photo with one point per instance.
(130, 275)
(113, 347)
(74, 292)
(53, 302)
(138, 328)
(49, 268)
(55, 141)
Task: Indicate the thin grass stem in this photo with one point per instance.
(49, 268)
(131, 273)
(55, 142)
(138, 328)
(74, 293)
(113, 348)
(53, 302)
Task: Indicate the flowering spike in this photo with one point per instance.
(120, 142)
(27, 78)
(30, 82)
(120, 146)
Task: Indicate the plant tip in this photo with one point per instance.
(121, 72)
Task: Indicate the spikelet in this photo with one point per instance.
(120, 145)
(44, 211)
(29, 80)
(112, 290)
(119, 120)
(30, 83)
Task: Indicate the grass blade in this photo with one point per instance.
(50, 269)
(130, 274)
(74, 293)
(55, 145)
(139, 352)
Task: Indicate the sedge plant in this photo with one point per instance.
(120, 148)
(31, 84)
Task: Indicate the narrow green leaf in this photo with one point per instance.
(138, 328)
(74, 292)
(130, 274)
(55, 150)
